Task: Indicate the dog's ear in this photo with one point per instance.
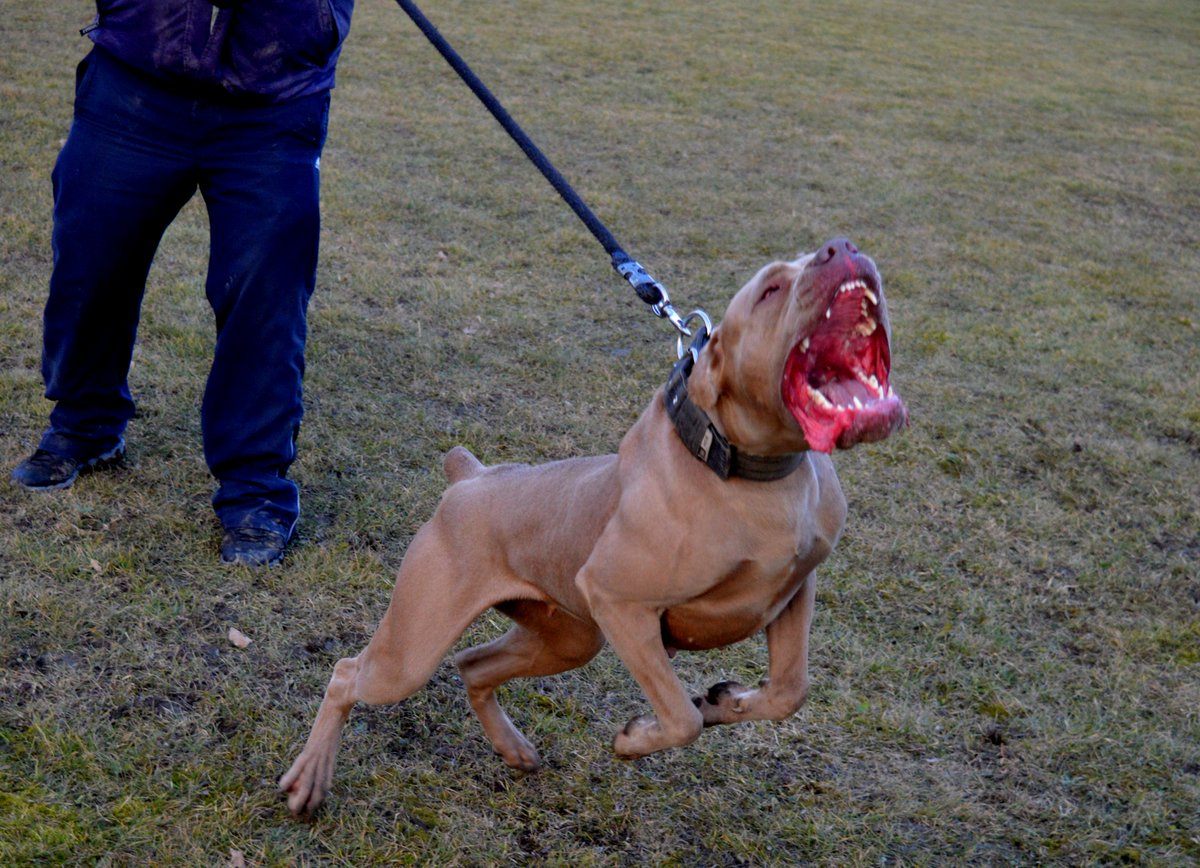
(707, 381)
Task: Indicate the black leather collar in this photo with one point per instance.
(703, 440)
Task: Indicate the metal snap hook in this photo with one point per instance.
(701, 337)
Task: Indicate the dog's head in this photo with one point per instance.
(802, 359)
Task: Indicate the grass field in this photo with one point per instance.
(1006, 652)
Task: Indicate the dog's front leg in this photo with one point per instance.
(634, 632)
(781, 694)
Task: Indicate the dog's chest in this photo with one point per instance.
(742, 601)
(752, 551)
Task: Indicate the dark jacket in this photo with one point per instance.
(275, 49)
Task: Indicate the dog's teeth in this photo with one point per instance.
(871, 296)
(804, 345)
(828, 312)
(822, 400)
(858, 405)
(871, 382)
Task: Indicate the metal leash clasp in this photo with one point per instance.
(654, 294)
(701, 337)
(667, 311)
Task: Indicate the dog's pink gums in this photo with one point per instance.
(835, 380)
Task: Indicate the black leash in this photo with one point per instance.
(648, 289)
(696, 430)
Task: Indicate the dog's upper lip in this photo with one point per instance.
(857, 283)
(867, 283)
(858, 270)
(816, 283)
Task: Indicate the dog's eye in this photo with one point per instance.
(770, 291)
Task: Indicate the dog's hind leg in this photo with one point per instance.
(544, 641)
(307, 781)
(433, 602)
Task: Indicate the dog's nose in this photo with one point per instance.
(833, 248)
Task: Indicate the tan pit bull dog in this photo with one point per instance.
(650, 549)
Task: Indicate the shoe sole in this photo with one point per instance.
(241, 562)
(100, 462)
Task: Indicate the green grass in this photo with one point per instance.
(1006, 658)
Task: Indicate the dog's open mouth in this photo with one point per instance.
(835, 381)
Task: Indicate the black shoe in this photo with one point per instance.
(43, 471)
(252, 546)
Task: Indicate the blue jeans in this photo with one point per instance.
(138, 149)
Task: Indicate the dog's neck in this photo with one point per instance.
(707, 443)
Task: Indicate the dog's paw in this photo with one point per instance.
(518, 752)
(726, 702)
(306, 784)
(633, 741)
(646, 734)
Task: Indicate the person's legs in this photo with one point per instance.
(261, 185)
(118, 183)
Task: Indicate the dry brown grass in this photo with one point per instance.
(1006, 651)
